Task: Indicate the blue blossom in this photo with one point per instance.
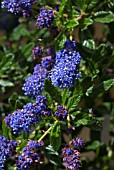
(71, 45)
(31, 114)
(21, 7)
(65, 71)
(78, 143)
(47, 62)
(45, 18)
(34, 84)
(61, 113)
(7, 150)
(37, 52)
(71, 158)
(30, 156)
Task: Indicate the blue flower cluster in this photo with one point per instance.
(30, 156)
(7, 150)
(31, 114)
(21, 7)
(61, 113)
(71, 158)
(34, 84)
(45, 18)
(65, 71)
(78, 143)
(71, 45)
(47, 62)
(51, 51)
(37, 52)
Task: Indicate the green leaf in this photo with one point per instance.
(97, 126)
(6, 83)
(65, 95)
(49, 99)
(19, 32)
(73, 102)
(94, 145)
(108, 83)
(105, 19)
(6, 62)
(22, 145)
(27, 50)
(63, 5)
(102, 13)
(53, 91)
(92, 4)
(81, 4)
(83, 121)
(89, 44)
(55, 137)
(87, 21)
(6, 130)
(51, 150)
(61, 41)
(71, 23)
(74, 13)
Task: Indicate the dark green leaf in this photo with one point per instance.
(83, 121)
(89, 44)
(65, 95)
(73, 102)
(97, 126)
(92, 4)
(105, 19)
(108, 83)
(27, 49)
(61, 41)
(49, 99)
(53, 91)
(87, 21)
(55, 137)
(63, 5)
(5, 130)
(102, 13)
(81, 4)
(6, 62)
(19, 32)
(94, 145)
(6, 83)
(71, 23)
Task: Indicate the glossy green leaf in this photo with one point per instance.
(27, 49)
(87, 21)
(6, 83)
(71, 23)
(108, 83)
(63, 5)
(49, 99)
(6, 62)
(73, 103)
(55, 137)
(102, 13)
(53, 91)
(89, 44)
(82, 122)
(92, 4)
(81, 4)
(105, 19)
(65, 95)
(5, 130)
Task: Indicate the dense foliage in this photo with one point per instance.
(57, 84)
